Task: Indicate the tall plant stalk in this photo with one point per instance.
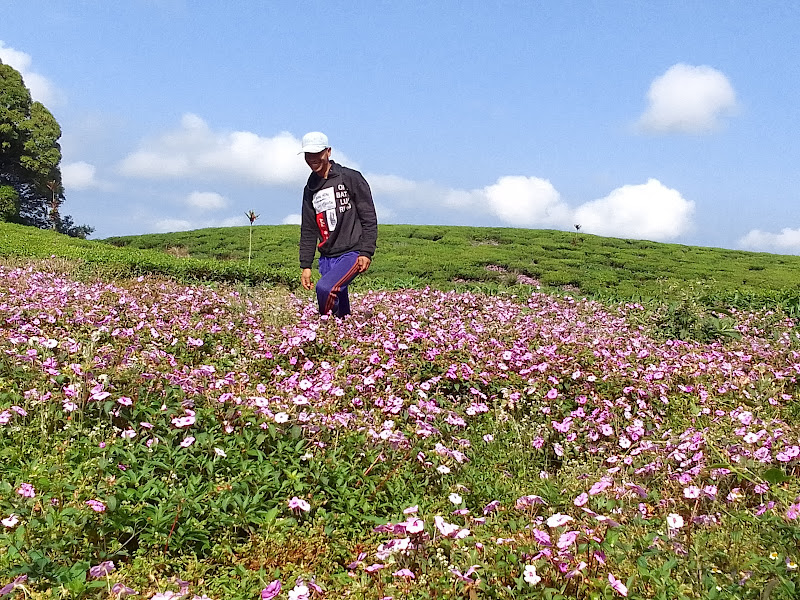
(252, 216)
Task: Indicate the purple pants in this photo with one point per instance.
(336, 273)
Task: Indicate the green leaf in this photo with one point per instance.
(775, 476)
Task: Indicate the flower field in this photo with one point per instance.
(171, 441)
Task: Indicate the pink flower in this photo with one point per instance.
(445, 528)
(414, 525)
(404, 573)
(691, 492)
(600, 486)
(299, 504)
(526, 501)
(188, 441)
(7, 589)
(581, 500)
(272, 590)
(120, 590)
(580, 567)
(104, 568)
(96, 505)
(542, 537)
(735, 495)
(186, 421)
(467, 576)
(567, 539)
(617, 585)
(26, 490)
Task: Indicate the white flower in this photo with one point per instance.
(443, 469)
(220, 452)
(281, 417)
(414, 525)
(300, 592)
(455, 498)
(530, 575)
(557, 520)
(10, 521)
(674, 521)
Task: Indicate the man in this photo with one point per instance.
(338, 217)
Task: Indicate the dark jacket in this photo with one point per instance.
(338, 216)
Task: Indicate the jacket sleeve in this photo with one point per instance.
(366, 214)
(308, 232)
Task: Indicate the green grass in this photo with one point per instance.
(415, 256)
(458, 257)
(98, 258)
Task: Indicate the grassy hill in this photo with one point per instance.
(474, 258)
(99, 258)
(487, 258)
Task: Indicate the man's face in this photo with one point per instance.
(319, 161)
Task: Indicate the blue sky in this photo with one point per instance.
(670, 121)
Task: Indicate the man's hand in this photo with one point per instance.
(363, 263)
(305, 279)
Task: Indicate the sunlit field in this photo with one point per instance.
(177, 440)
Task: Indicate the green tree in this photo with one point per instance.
(31, 191)
(9, 203)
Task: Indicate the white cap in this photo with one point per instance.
(314, 141)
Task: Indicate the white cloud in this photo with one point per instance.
(206, 201)
(785, 242)
(384, 213)
(78, 175)
(517, 200)
(526, 201)
(688, 99)
(649, 211)
(391, 184)
(293, 219)
(230, 222)
(41, 88)
(169, 225)
(194, 150)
